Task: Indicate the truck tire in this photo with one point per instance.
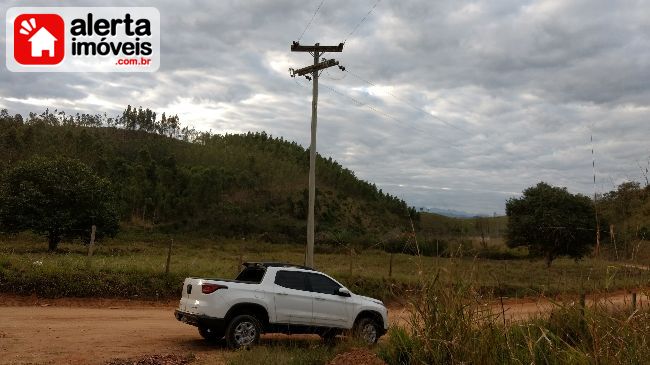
(367, 330)
(243, 331)
(210, 333)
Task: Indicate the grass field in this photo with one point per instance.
(135, 265)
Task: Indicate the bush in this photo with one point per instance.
(84, 282)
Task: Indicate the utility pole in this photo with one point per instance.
(316, 50)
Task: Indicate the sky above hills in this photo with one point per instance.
(449, 104)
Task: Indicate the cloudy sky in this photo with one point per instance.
(448, 104)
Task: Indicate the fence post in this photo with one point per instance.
(91, 246)
(612, 236)
(169, 255)
(633, 301)
(350, 269)
(390, 266)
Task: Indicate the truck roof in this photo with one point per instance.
(266, 264)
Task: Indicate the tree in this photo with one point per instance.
(551, 222)
(59, 198)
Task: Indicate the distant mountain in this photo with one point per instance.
(451, 213)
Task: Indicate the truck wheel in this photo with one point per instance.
(243, 331)
(210, 333)
(367, 330)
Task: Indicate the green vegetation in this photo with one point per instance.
(448, 327)
(133, 265)
(438, 235)
(551, 222)
(625, 221)
(288, 351)
(59, 198)
(179, 180)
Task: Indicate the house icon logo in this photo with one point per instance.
(39, 39)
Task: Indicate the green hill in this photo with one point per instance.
(234, 185)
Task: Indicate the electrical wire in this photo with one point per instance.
(389, 116)
(445, 122)
(422, 131)
(449, 124)
(311, 20)
(361, 21)
(328, 76)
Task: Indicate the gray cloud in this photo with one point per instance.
(472, 101)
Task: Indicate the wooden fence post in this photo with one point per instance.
(169, 255)
(633, 301)
(91, 246)
(350, 269)
(390, 266)
(612, 236)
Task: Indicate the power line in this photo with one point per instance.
(449, 124)
(410, 125)
(311, 20)
(468, 133)
(389, 116)
(429, 114)
(329, 76)
(361, 21)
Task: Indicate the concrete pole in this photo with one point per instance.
(309, 257)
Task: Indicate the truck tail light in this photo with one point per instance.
(211, 288)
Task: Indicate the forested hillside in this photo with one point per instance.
(176, 179)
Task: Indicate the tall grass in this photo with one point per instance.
(449, 324)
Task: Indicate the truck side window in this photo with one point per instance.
(291, 279)
(251, 275)
(323, 284)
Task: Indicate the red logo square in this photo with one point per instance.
(39, 39)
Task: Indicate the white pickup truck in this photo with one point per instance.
(268, 297)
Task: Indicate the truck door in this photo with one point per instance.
(293, 303)
(330, 309)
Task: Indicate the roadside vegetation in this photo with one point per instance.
(449, 326)
(133, 266)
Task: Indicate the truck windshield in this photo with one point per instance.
(251, 275)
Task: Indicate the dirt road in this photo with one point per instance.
(93, 331)
(80, 335)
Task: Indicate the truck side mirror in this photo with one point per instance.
(344, 292)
